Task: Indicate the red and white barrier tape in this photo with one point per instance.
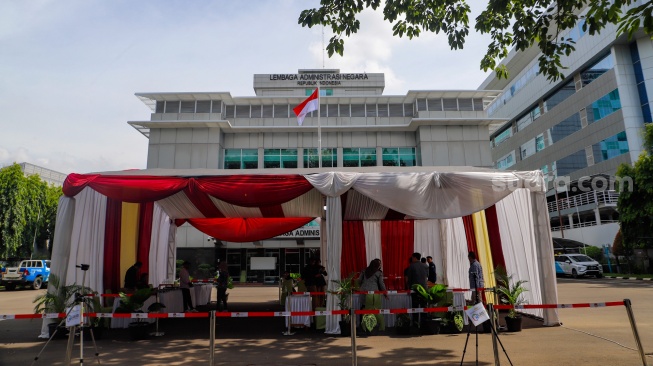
(304, 313)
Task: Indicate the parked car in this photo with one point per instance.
(577, 265)
(31, 272)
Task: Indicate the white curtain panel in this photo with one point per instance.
(544, 249)
(518, 243)
(372, 230)
(229, 210)
(427, 242)
(361, 207)
(171, 271)
(158, 258)
(334, 237)
(60, 249)
(455, 261)
(87, 240)
(179, 206)
(332, 184)
(310, 204)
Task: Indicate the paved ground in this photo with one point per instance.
(596, 336)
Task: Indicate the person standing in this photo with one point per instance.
(371, 279)
(476, 281)
(222, 285)
(418, 273)
(320, 284)
(432, 274)
(132, 277)
(185, 285)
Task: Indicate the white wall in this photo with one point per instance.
(592, 235)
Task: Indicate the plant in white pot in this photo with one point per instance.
(343, 290)
(57, 299)
(510, 292)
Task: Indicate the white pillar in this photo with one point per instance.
(571, 220)
(597, 216)
(630, 105)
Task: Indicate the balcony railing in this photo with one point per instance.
(608, 198)
(582, 224)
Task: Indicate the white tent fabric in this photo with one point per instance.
(456, 263)
(334, 237)
(158, 260)
(372, 230)
(427, 242)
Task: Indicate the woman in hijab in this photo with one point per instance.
(371, 279)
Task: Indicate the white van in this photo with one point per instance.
(576, 265)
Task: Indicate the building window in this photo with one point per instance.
(528, 118)
(593, 72)
(559, 96)
(565, 128)
(172, 107)
(611, 147)
(527, 149)
(160, 106)
(356, 157)
(399, 156)
(507, 161)
(539, 143)
(641, 86)
(281, 111)
(571, 163)
(280, 158)
(203, 106)
(329, 158)
(323, 92)
(188, 107)
(241, 158)
(503, 136)
(603, 106)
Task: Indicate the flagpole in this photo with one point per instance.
(319, 130)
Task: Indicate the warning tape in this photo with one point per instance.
(306, 313)
(393, 292)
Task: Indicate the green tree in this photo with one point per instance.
(635, 203)
(27, 212)
(518, 24)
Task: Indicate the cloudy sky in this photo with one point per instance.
(69, 69)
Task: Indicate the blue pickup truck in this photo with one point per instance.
(32, 273)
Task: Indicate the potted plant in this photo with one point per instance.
(133, 304)
(57, 299)
(452, 321)
(510, 293)
(343, 290)
(430, 322)
(369, 324)
(403, 324)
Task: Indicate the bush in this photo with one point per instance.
(595, 253)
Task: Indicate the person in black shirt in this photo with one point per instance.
(432, 274)
(131, 277)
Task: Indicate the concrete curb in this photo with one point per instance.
(630, 278)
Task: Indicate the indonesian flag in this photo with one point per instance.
(309, 105)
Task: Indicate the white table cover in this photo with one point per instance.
(394, 301)
(299, 303)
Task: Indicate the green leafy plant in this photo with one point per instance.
(134, 303)
(433, 295)
(57, 298)
(510, 291)
(368, 322)
(344, 288)
(403, 320)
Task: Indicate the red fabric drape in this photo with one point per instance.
(145, 214)
(201, 200)
(397, 245)
(469, 233)
(240, 230)
(255, 190)
(111, 275)
(134, 189)
(353, 255)
(494, 236)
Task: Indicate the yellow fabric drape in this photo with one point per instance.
(128, 237)
(484, 253)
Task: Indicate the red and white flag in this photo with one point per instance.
(309, 105)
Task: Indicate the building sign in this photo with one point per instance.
(310, 230)
(322, 79)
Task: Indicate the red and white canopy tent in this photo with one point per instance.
(111, 219)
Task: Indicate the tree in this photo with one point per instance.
(27, 212)
(518, 24)
(635, 203)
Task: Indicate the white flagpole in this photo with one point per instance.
(319, 130)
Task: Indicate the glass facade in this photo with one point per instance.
(528, 118)
(565, 128)
(356, 157)
(611, 147)
(280, 158)
(593, 72)
(571, 163)
(603, 106)
(241, 158)
(506, 161)
(641, 87)
(559, 96)
(399, 156)
(503, 136)
(329, 158)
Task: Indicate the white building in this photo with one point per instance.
(580, 128)
(359, 127)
